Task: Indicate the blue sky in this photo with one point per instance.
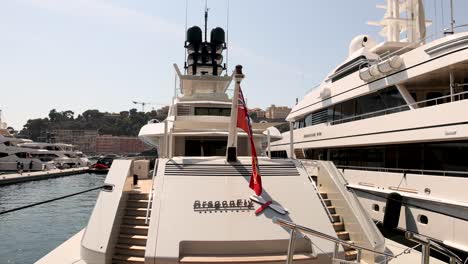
(102, 54)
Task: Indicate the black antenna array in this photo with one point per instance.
(205, 57)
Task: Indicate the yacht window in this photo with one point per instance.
(376, 207)
(350, 67)
(299, 123)
(348, 109)
(308, 120)
(315, 118)
(369, 105)
(433, 95)
(337, 115)
(392, 98)
(3, 154)
(436, 156)
(22, 155)
(279, 154)
(212, 111)
(423, 219)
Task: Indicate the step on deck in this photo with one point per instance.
(124, 259)
(134, 229)
(351, 254)
(327, 202)
(131, 244)
(134, 220)
(136, 211)
(130, 250)
(331, 209)
(138, 240)
(339, 227)
(245, 259)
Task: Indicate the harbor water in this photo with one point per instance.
(29, 234)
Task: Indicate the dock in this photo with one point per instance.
(13, 178)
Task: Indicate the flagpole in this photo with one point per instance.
(231, 151)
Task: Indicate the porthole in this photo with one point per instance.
(427, 191)
(423, 219)
(376, 207)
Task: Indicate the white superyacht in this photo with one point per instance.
(195, 206)
(393, 118)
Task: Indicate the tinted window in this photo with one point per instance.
(443, 156)
(350, 67)
(279, 154)
(212, 111)
(433, 95)
(22, 155)
(370, 105)
(308, 120)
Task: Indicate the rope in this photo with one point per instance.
(48, 201)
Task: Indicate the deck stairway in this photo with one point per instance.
(131, 244)
(338, 225)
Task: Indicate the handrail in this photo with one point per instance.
(150, 201)
(352, 209)
(294, 227)
(397, 107)
(383, 169)
(318, 193)
(428, 244)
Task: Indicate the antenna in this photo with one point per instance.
(206, 20)
(227, 39)
(186, 19)
(452, 20)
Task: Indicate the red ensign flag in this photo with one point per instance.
(244, 122)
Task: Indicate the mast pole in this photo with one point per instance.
(452, 20)
(206, 20)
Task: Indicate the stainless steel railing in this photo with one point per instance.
(427, 245)
(317, 191)
(150, 201)
(294, 228)
(398, 170)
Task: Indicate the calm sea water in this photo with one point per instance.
(29, 234)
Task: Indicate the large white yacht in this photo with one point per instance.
(195, 205)
(12, 155)
(63, 155)
(393, 118)
(36, 155)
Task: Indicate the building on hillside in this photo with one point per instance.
(90, 142)
(277, 112)
(84, 140)
(108, 144)
(257, 113)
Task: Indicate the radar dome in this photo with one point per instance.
(217, 36)
(194, 35)
(361, 41)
